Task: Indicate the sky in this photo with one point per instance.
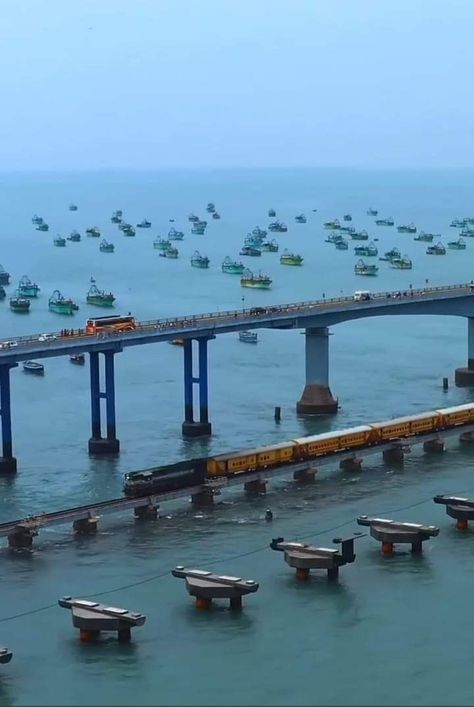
(153, 84)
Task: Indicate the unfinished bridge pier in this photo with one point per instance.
(464, 377)
(109, 444)
(317, 398)
(192, 427)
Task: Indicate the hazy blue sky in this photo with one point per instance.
(158, 83)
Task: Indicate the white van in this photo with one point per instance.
(360, 295)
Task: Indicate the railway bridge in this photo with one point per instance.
(315, 317)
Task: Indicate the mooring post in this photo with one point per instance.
(7, 461)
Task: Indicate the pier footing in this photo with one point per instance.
(256, 486)
(103, 446)
(316, 400)
(22, 537)
(304, 475)
(203, 498)
(464, 377)
(196, 429)
(85, 526)
(350, 464)
(146, 512)
(8, 465)
(394, 455)
(434, 446)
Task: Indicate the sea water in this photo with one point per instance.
(393, 630)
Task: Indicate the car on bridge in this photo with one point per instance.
(8, 344)
(47, 337)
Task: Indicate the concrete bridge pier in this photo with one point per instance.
(7, 460)
(190, 426)
(317, 398)
(97, 444)
(464, 377)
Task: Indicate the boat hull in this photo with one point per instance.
(256, 285)
(101, 301)
(61, 308)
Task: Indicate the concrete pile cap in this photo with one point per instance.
(214, 585)
(454, 501)
(397, 529)
(5, 655)
(303, 549)
(86, 610)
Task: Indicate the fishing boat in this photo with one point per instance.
(232, 267)
(199, 227)
(210, 208)
(171, 252)
(216, 215)
(117, 216)
(457, 223)
(347, 229)
(74, 236)
(72, 207)
(467, 232)
(347, 217)
(127, 229)
(372, 212)
(269, 246)
(106, 247)
(4, 276)
(259, 233)
(161, 244)
(252, 240)
(410, 228)
(79, 359)
(19, 304)
(99, 297)
(403, 263)
(199, 261)
(361, 268)
(193, 218)
(424, 237)
(437, 249)
(278, 226)
(460, 244)
(93, 232)
(176, 342)
(301, 218)
(287, 258)
(271, 213)
(332, 225)
(61, 305)
(258, 282)
(248, 337)
(372, 250)
(144, 224)
(341, 244)
(37, 220)
(3, 293)
(334, 238)
(391, 254)
(360, 235)
(33, 367)
(26, 288)
(250, 250)
(42, 226)
(385, 221)
(174, 235)
(59, 241)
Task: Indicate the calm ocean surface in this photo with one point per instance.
(393, 631)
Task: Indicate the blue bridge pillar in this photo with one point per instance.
(98, 444)
(7, 460)
(192, 427)
(464, 377)
(317, 398)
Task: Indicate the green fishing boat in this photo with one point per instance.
(258, 282)
(161, 244)
(401, 263)
(259, 233)
(287, 258)
(332, 225)
(341, 244)
(127, 229)
(391, 254)
(61, 305)
(99, 297)
(361, 268)
(411, 228)
(437, 249)
(254, 241)
(199, 261)
(359, 235)
(460, 244)
(93, 232)
(171, 252)
(232, 267)
(26, 288)
(424, 237)
(278, 227)
(369, 251)
(250, 250)
(174, 235)
(19, 304)
(199, 227)
(59, 241)
(269, 246)
(74, 236)
(385, 221)
(106, 247)
(334, 238)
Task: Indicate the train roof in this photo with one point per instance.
(456, 408)
(254, 450)
(406, 418)
(334, 433)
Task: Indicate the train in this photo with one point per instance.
(194, 472)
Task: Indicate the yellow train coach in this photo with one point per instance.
(405, 426)
(328, 442)
(251, 459)
(459, 415)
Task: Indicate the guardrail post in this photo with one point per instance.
(191, 428)
(7, 460)
(98, 444)
(317, 398)
(464, 377)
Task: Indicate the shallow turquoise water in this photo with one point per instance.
(391, 631)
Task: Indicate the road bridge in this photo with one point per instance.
(315, 317)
